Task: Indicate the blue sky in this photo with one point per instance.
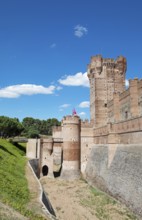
(45, 46)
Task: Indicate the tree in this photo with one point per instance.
(10, 127)
(43, 127)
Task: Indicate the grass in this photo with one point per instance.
(105, 206)
(13, 184)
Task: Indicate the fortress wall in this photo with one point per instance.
(131, 138)
(87, 141)
(101, 131)
(33, 148)
(140, 96)
(128, 104)
(131, 125)
(57, 157)
(86, 124)
(46, 157)
(57, 132)
(116, 169)
(123, 131)
(140, 84)
(125, 105)
(110, 111)
(101, 139)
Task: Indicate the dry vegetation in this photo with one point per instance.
(78, 201)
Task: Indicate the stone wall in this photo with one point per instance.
(131, 130)
(128, 104)
(106, 77)
(87, 141)
(33, 148)
(116, 169)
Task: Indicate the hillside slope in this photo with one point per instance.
(14, 186)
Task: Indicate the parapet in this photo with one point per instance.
(140, 84)
(121, 64)
(56, 128)
(86, 124)
(71, 119)
(57, 132)
(97, 63)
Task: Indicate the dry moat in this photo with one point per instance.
(76, 200)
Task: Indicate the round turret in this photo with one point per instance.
(71, 147)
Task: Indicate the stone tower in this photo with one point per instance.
(71, 147)
(106, 77)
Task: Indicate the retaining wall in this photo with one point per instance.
(43, 197)
(117, 170)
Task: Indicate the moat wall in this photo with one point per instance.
(117, 170)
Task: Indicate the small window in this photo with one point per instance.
(105, 105)
(126, 115)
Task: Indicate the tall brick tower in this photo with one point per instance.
(71, 147)
(106, 76)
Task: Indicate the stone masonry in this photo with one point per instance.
(103, 149)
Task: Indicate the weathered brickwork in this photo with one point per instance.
(111, 140)
(115, 117)
(106, 76)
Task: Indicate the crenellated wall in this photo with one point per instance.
(128, 104)
(106, 76)
(108, 148)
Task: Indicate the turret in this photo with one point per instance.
(106, 76)
(71, 147)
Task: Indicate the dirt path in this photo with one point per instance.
(34, 189)
(78, 201)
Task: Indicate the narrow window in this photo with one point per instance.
(126, 115)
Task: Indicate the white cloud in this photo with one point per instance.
(53, 45)
(82, 113)
(80, 31)
(79, 79)
(59, 88)
(126, 83)
(85, 104)
(64, 106)
(16, 91)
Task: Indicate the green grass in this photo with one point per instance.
(13, 183)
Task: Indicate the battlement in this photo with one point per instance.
(97, 62)
(86, 123)
(71, 119)
(140, 84)
(56, 128)
(57, 132)
(96, 58)
(106, 76)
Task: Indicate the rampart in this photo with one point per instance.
(108, 148)
(127, 104)
(116, 169)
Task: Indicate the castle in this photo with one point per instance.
(114, 132)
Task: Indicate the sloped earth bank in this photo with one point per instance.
(7, 213)
(76, 200)
(34, 204)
